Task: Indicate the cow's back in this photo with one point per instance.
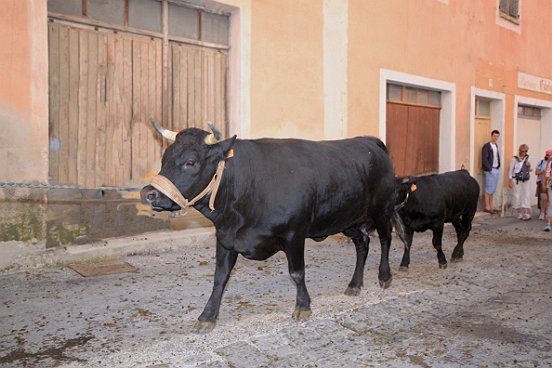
(328, 185)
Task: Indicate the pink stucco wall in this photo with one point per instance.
(23, 91)
(455, 41)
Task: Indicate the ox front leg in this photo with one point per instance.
(226, 259)
(295, 254)
(437, 244)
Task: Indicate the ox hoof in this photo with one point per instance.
(442, 266)
(403, 268)
(203, 327)
(351, 291)
(301, 314)
(385, 284)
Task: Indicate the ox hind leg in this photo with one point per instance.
(437, 244)
(226, 259)
(361, 239)
(462, 228)
(295, 254)
(405, 262)
(384, 227)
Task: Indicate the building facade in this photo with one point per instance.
(431, 78)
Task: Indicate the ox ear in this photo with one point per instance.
(223, 149)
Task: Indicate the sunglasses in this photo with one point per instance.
(523, 151)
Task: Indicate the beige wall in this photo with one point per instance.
(286, 69)
(23, 91)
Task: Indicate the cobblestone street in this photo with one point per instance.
(491, 310)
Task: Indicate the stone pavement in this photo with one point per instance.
(494, 309)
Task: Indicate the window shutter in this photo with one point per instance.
(514, 8)
(503, 6)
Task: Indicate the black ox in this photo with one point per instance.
(428, 202)
(274, 193)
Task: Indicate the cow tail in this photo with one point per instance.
(399, 227)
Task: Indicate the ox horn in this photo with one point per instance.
(215, 135)
(169, 134)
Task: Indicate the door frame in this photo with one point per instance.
(546, 120)
(498, 110)
(447, 116)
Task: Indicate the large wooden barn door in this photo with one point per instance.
(413, 139)
(198, 92)
(103, 88)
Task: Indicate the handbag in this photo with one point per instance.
(523, 174)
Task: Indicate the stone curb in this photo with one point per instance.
(18, 256)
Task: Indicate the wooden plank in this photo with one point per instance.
(101, 117)
(176, 79)
(184, 86)
(111, 109)
(151, 106)
(74, 71)
(166, 67)
(158, 106)
(396, 135)
(126, 118)
(191, 87)
(140, 144)
(92, 116)
(223, 94)
(198, 86)
(136, 108)
(83, 103)
(54, 100)
(64, 105)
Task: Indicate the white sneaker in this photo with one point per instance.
(547, 227)
(520, 216)
(526, 217)
(541, 216)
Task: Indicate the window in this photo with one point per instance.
(482, 108)
(413, 95)
(529, 112)
(509, 9)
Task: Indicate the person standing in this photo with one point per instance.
(542, 201)
(547, 188)
(520, 168)
(491, 164)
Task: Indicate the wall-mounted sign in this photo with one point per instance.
(534, 83)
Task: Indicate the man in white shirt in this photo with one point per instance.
(491, 164)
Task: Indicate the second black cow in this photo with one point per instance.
(428, 202)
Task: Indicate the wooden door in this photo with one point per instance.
(105, 85)
(482, 135)
(413, 138)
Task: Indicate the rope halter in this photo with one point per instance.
(165, 186)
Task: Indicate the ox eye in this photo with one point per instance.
(190, 163)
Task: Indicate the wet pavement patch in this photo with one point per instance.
(57, 354)
(102, 268)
